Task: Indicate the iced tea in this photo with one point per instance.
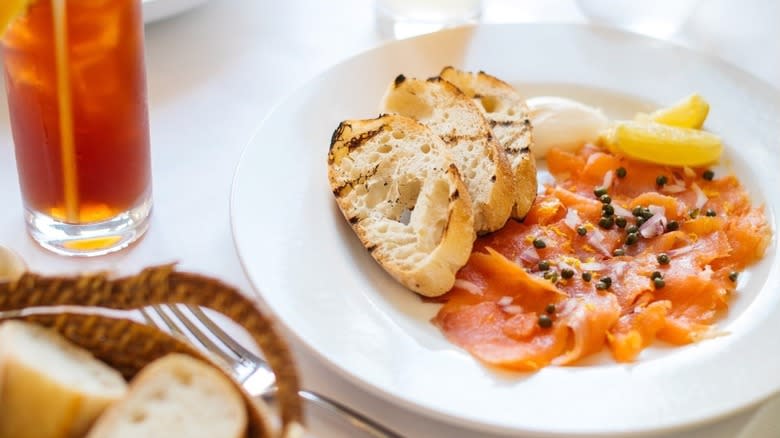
(75, 77)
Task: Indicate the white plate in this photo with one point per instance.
(155, 10)
(309, 267)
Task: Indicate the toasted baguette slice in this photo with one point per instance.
(457, 120)
(508, 116)
(396, 185)
(176, 396)
(49, 387)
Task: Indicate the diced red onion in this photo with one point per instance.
(673, 188)
(620, 268)
(596, 240)
(654, 226)
(469, 287)
(701, 198)
(572, 219)
(529, 255)
(656, 210)
(592, 266)
(564, 265)
(680, 251)
(620, 211)
(513, 309)
(504, 301)
(608, 178)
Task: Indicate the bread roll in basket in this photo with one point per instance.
(128, 346)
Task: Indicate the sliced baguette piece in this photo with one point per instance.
(452, 116)
(50, 388)
(508, 115)
(176, 396)
(396, 184)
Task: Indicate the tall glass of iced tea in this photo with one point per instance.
(75, 77)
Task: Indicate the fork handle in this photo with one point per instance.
(353, 417)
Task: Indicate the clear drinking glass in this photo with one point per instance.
(406, 18)
(658, 18)
(76, 84)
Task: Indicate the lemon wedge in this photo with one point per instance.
(9, 10)
(687, 113)
(663, 144)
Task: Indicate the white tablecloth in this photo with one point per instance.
(215, 72)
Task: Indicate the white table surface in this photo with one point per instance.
(216, 71)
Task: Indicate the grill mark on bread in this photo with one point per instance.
(362, 179)
(451, 139)
(337, 143)
(399, 80)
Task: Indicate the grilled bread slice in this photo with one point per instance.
(176, 396)
(396, 184)
(456, 119)
(50, 388)
(508, 116)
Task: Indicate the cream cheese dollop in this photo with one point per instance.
(563, 123)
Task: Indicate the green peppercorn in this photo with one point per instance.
(553, 277)
(586, 276)
(550, 308)
(600, 285)
(548, 274)
(710, 212)
(663, 258)
(659, 283)
(637, 211)
(581, 230)
(619, 252)
(544, 265)
(708, 175)
(656, 274)
(605, 199)
(621, 172)
(672, 226)
(640, 221)
(545, 321)
(694, 213)
(606, 222)
(608, 209)
(567, 273)
(632, 238)
(632, 229)
(646, 213)
(606, 280)
(621, 222)
(539, 243)
(733, 275)
(600, 191)
(661, 180)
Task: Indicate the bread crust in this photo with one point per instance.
(508, 117)
(398, 188)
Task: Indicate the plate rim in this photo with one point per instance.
(729, 68)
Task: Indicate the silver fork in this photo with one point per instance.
(252, 371)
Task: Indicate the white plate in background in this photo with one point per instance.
(312, 271)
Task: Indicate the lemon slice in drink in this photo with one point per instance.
(9, 10)
(663, 144)
(687, 113)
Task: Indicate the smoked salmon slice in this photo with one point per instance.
(614, 254)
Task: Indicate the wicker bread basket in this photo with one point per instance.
(129, 346)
